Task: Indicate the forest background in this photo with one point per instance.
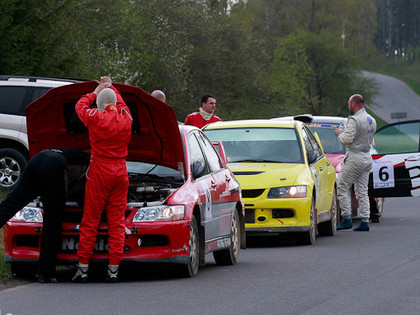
(260, 58)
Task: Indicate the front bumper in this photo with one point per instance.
(277, 215)
(166, 242)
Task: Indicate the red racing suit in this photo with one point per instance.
(195, 119)
(107, 178)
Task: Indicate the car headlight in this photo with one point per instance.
(287, 192)
(28, 214)
(160, 213)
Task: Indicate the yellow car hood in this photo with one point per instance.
(265, 175)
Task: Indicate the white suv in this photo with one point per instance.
(16, 92)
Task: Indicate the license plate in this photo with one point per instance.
(70, 244)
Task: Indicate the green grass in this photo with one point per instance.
(5, 272)
(401, 69)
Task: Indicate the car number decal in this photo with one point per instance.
(383, 174)
(388, 170)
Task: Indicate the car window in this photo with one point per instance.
(196, 154)
(212, 157)
(328, 138)
(314, 142)
(310, 145)
(37, 92)
(397, 138)
(11, 100)
(277, 145)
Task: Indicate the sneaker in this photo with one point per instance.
(81, 275)
(345, 224)
(112, 274)
(363, 227)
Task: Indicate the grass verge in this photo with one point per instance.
(407, 72)
(5, 272)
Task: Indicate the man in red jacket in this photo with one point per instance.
(205, 115)
(109, 128)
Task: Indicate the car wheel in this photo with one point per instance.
(230, 256)
(308, 238)
(191, 269)
(12, 164)
(23, 270)
(329, 228)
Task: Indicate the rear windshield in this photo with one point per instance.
(328, 138)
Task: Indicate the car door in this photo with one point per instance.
(396, 161)
(220, 223)
(207, 187)
(318, 164)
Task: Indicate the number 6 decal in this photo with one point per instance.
(383, 174)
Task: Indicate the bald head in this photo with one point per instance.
(105, 97)
(356, 102)
(357, 98)
(159, 95)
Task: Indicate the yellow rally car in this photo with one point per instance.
(288, 184)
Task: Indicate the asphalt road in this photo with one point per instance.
(394, 97)
(372, 272)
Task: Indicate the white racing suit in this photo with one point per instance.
(357, 163)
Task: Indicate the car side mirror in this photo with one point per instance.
(197, 169)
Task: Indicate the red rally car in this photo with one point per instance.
(183, 202)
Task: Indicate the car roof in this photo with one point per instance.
(252, 123)
(50, 82)
(308, 118)
(53, 123)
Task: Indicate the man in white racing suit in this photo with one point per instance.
(357, 137)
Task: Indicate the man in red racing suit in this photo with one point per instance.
(107, 180)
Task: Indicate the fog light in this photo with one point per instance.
(262, 219)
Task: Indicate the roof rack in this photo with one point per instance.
(35, 78)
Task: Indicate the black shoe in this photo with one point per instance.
(112, 274)
(374, 220)
(43, 279)
(81, 275)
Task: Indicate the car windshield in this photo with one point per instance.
(139, 171)
(276, 145)
(328, 138)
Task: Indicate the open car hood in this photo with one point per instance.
(52, 122)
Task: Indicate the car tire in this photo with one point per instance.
(329, 228)
(12, 164)
(308, 238)
(23, 270)
(230, 256)
(191, 269)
